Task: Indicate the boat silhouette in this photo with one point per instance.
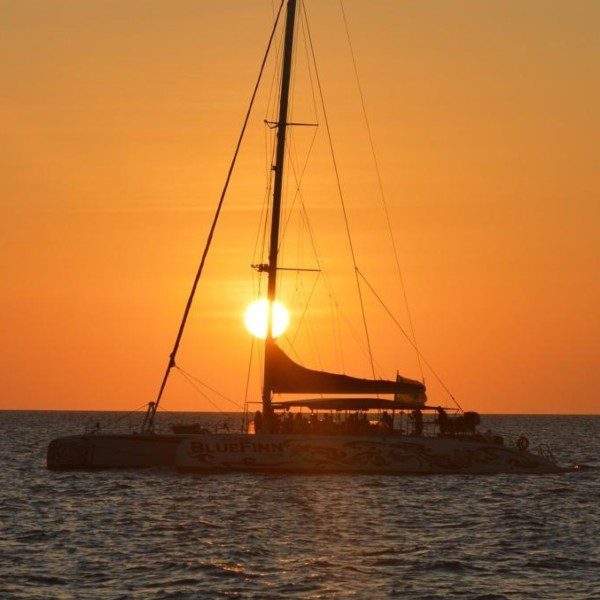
(357, 430)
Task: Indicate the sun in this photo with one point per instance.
(255, 318)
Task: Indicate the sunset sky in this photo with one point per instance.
(118, 121)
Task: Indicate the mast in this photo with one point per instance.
(286, 72)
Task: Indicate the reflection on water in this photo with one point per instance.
(160, 534)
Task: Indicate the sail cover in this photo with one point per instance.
(287, 377)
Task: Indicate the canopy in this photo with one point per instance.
(287, 377)
(349, 404)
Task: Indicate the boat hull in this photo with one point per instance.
(354, 454)
(293, 453)
(106, 451)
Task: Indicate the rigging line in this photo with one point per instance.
(292, 158)
(380, 182)
(300, 253)
(339, 331)
(292, 99)
(427, 363)
(334, 333)
(287, 207)
(267, 141)
(166, 411)
(295, 293)
(276, 73)
(310, 295)
(327, 281)
(329, 285)
(268, 189)
(285, 204)
(269, 152)
(264, 217)
(318, 259)
(249, 371)
(339, 186)
(248, 375)
(310, 341)
(208, 387)
(213, 404)
(310, 76)
(287, 339)
(298, 180)
(213, 226)
(310, 233)
(356, 335)
(265, 225)
(260, 220)
(264, 208)
(259, 364)
(256, 242)
(312, 337)
(266, 147)
(292, 144)
(116, 420)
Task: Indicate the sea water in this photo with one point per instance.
(157, 533)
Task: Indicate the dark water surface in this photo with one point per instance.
(160, 534)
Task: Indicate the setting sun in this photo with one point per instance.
(256, 315)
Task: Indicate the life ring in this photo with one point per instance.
(522, 443)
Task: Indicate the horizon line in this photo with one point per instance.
(228, 412)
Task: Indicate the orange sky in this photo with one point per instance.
(118, 120)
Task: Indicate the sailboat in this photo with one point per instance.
(354, 425)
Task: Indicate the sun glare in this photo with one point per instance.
(255, 318)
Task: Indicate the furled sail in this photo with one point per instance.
(287, 377)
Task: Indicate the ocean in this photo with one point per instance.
(161, 534)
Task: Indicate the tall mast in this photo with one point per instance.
(286, 72)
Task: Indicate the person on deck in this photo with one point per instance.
(287, 422)
(258, 421)
(442, 421)
(417, 418)
(386, 420)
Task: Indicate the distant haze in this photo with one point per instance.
(118, 121)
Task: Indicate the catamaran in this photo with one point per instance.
(353, 425)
